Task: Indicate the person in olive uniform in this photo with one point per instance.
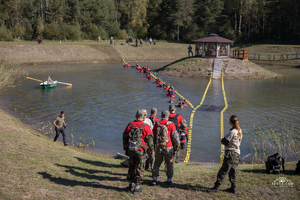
(60, 126)
(232, 142)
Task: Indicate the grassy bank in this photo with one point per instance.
(9, 72)
(33, 167)
(202, 67)
(29, 52)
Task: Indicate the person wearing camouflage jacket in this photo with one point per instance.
(137, 154)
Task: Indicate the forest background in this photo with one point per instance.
(267, 21)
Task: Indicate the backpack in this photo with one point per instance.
(182, 135)
(152, 119)
(174, 120)
(135, 138)
(273, 164)
(298, 167)
(162, 136)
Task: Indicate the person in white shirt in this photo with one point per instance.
(49, 80)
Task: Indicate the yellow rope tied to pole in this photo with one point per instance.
(221, 120)
(188, 153)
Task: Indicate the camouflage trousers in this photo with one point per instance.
(169, 163)
(151, 159)
(229, 166)
(136, 167)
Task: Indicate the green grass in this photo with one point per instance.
(34, 167)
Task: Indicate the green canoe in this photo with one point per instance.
(45, 85)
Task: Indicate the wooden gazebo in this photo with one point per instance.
(213, 46)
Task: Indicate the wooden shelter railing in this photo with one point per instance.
(240, 54)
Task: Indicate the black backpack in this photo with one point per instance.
(152, 120)
(174, 120)
(298, 167)
(273, 164)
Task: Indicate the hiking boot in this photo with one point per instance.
(137, 191)
(176, 160)
(154, 181)
(232, 189)
(215, 188)
(131, 187)
(169, 181)
(66, 144)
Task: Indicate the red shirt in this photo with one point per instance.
(146, 131)
(179, 121)
(171, 128)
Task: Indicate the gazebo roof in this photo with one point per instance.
(213, 38)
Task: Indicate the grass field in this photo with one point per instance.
(34, 167)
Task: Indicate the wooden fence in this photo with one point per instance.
(245, 54)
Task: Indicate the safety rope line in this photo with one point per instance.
(188, 153)
(221, 119)
(192, 114)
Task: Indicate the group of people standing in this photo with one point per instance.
(160, 139)
(164, 141)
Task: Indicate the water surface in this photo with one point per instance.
(105, 97)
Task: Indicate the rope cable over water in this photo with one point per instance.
(193, 112)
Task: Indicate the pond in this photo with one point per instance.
(105, 97)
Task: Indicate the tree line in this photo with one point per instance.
(171, 20)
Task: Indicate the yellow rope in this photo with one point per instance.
(188, 153)
(221, 120)
(192, 115)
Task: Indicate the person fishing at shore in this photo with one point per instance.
(137, 135)
(60, 126)
(232, 142)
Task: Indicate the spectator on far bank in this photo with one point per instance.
(154, 42)
(150, 40)
(99, 39)
(111, 40)
(146, 41)
(141, 42)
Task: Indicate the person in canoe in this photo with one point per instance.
(49, 81)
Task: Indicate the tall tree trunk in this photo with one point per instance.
(263, 20)
(182, 39)
(235, 21)
(240, 22)
(177, 33)
(295, 19)
(249, 20)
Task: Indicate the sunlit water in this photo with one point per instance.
(105, 97)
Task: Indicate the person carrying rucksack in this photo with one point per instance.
(273, 164)
(167, 141)
(136, 137)
(232, 142)
(153, 117)
(177, 120)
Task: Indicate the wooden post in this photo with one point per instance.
(217, 51)
(203, 50)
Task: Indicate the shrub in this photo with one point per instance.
(74, 32)
(103, 33)
(4, 33)
(122, 35)
(53, 32)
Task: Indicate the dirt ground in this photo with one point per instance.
(202, 67)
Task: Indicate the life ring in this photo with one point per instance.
(282, 57)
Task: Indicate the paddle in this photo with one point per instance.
(43, 81)
(65, 83)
